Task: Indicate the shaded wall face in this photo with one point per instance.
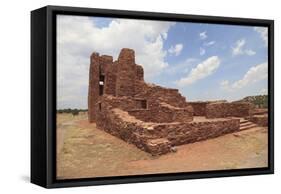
(139, 73)
(110, 80)
(93, 90)
(199, 108)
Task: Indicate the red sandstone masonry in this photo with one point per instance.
(199, 108)
(157, 138)
(123, 79)
(93, 86)
(151, 117)
(225, 109)
(261, 120)
(163, 112)
(183, 133)
(126, 73)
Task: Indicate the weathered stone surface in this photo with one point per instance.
(93, 90)
(151, 117)
(199, 108)
(183, 133)
(158, 146)
(126, 73)
(163, 112)
(157, 138)
(261, 120)
(225, 109)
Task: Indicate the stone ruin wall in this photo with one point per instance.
(158, 138)
(93, 86)
(259, 117)
(163, 113)
(151, 117)
(233, 109)
(126, 73)
(199, 108)
(221, 109)
(261, 120)
(183, 133)
(155, 93)
(124, 78)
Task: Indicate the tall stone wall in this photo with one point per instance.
(139, 73)
(126, 73)
(93, 90)
(105, 63)
(110, 80)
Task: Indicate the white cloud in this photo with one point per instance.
(203, 35)
(201, 71)
(202, 51)
(264, 91)
(78, 37)
(225, 84)
(249, 52)
(181, 67)
(176, 50)
(254, 74)
(263, 32)
(238, 49)
(209, 43)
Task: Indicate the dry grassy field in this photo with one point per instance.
(84, 151)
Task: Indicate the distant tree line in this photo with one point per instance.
(260, 101)
(72, 111)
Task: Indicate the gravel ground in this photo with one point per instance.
(85, 151)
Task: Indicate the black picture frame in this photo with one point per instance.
(43, 96)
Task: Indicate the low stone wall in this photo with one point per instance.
(158, 138)
(199, 108)
(164, 113)
(234, 109)
(261, 120)
(183, 133)
(120, 124)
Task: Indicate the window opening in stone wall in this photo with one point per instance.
(142, 104)
(101, 85)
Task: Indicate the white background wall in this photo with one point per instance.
(15, 95)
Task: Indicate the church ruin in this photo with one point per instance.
(152, 117)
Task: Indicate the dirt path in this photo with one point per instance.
(86, 151)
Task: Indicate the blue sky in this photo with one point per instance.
(204, 61)
(223, 39)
